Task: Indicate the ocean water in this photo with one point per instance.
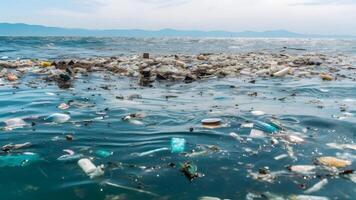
(310, 108)
(69, 47)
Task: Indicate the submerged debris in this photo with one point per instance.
(317, 186)
(332, 162)
(58, 118)
(342, 146)
(190, 170)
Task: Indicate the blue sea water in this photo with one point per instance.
(69, 47)
(309, 107)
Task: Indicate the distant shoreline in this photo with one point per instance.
(20, 29)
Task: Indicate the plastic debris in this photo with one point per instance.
(129, 188)
(207, 149)
(307, 197)
(15, 123)
(302, 169)
(342, 146)
(254, 133)
(63, 106)
(70, 156)
(326, 77)
(69, 137)
(282, 72)
(257, 112)
(46, 64)
(211, 122)
(265, 127)
(208, 198)
(146, 56)
(190, 170)
(265, 175)
(272, 196)
(90, 169)
(11, 147)
(152, 151)
(351, 176)
(247, 125)
(133, 118)
(58, 118)
(177, 145)
(291, 138)
(235, 136)
(103, 153)
(332, 162)
(18, 160)
(11, 77)
(280, 157)
(317, 186)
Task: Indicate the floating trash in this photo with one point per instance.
(342, 146)
(282, 72)
(90, 169)
(280, 157)
(326, 77)
(235, 136)
(146, 153)
(332, 162)
(211, 122)
(10, 147)
(190, 170)
(318, 186)
(12, 77)
(307, 197)
(264, 175)
(302, 169)
(247, 125)
(133, 118)
(15, 123)
(103, 153)
(63, 106)
(207, 149)
(291, 138)
(58, 118)
(129, 188)
(70, 156)
(254, 133)
(208, 198)
(45, 64)
(257, 113)
(265, 127)
(177, 145)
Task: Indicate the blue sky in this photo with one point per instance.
(305, 16)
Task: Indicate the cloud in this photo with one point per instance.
(324, 2)
(325, 16)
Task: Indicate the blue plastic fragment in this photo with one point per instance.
(177, 145)
(103, 153)
(265, 127)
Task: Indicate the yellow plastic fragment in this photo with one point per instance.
(46, 64)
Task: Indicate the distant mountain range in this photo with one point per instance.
(7, 29)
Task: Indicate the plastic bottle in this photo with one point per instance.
(87, 166)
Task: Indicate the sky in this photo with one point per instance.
(302, 16)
